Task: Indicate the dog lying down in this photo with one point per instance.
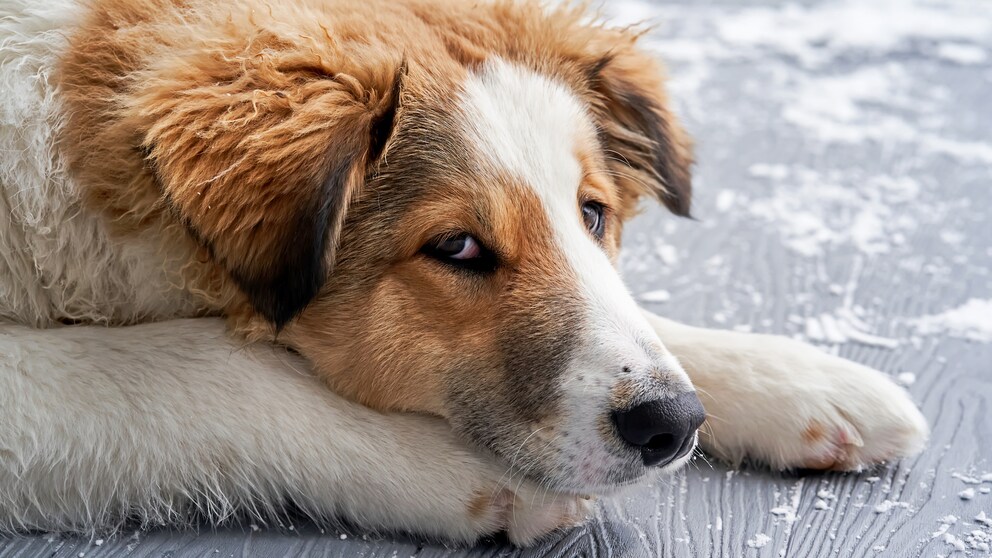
(423, 201)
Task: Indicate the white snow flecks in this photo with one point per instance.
(725, 200)
(961, 53)
(765, 170)
(888, 505)
(972, 479)
(788, 511)
(971, 321)
(862, 105)
(961, 150)
(813, 211)
(657, 296)
(967, 494)
(758, 541)
(669, 254)
(844, 326)
(906, 378)
(952, 237)
(969, 538)
(831, 104)
(955, 542)
(785, 512)
(979, 540)
(945, 525)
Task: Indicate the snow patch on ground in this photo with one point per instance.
(906, 378)
(960, 534)
(961, 53)
(878, 101)
(844, 326)
(972, 321)
(759, 540)
(814, 212)
(888, 505)
(788, 511)
(874, 104)
(840, 98)
(657, 296)
(820, 34)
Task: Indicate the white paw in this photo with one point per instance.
(434, 485)
(790, 405)
(529, 511)
(536, 514)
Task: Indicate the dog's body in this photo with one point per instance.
(352, 176)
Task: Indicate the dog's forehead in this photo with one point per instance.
(519, 121)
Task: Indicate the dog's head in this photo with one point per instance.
(437, 230)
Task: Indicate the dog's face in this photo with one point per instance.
(476, 280)
(438, 234)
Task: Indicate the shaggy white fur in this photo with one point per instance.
(56, 261)
(167, 421)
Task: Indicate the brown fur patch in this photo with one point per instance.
(814, 432)
(481, 504)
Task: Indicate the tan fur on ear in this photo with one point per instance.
(646, 146)
(260, 158)
(255, 139)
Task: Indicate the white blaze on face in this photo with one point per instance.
(532, 127)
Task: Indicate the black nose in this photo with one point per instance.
(662, 429)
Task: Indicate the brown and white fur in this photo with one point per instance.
(293, 167)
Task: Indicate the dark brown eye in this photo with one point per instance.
(462, 251)
(462, 247)
(592, 216)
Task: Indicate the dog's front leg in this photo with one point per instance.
(790, 405)
(164, 421)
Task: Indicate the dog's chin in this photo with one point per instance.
(617, 477)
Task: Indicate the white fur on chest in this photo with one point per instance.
(56, 259)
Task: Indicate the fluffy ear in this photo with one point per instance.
(646, 146)
(260, 163)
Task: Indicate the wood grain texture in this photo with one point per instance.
(738, 267)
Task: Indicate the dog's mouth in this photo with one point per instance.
(598, 472)
(643, 475)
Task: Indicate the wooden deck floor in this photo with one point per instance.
(844, 188)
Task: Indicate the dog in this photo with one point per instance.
(359, 257)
